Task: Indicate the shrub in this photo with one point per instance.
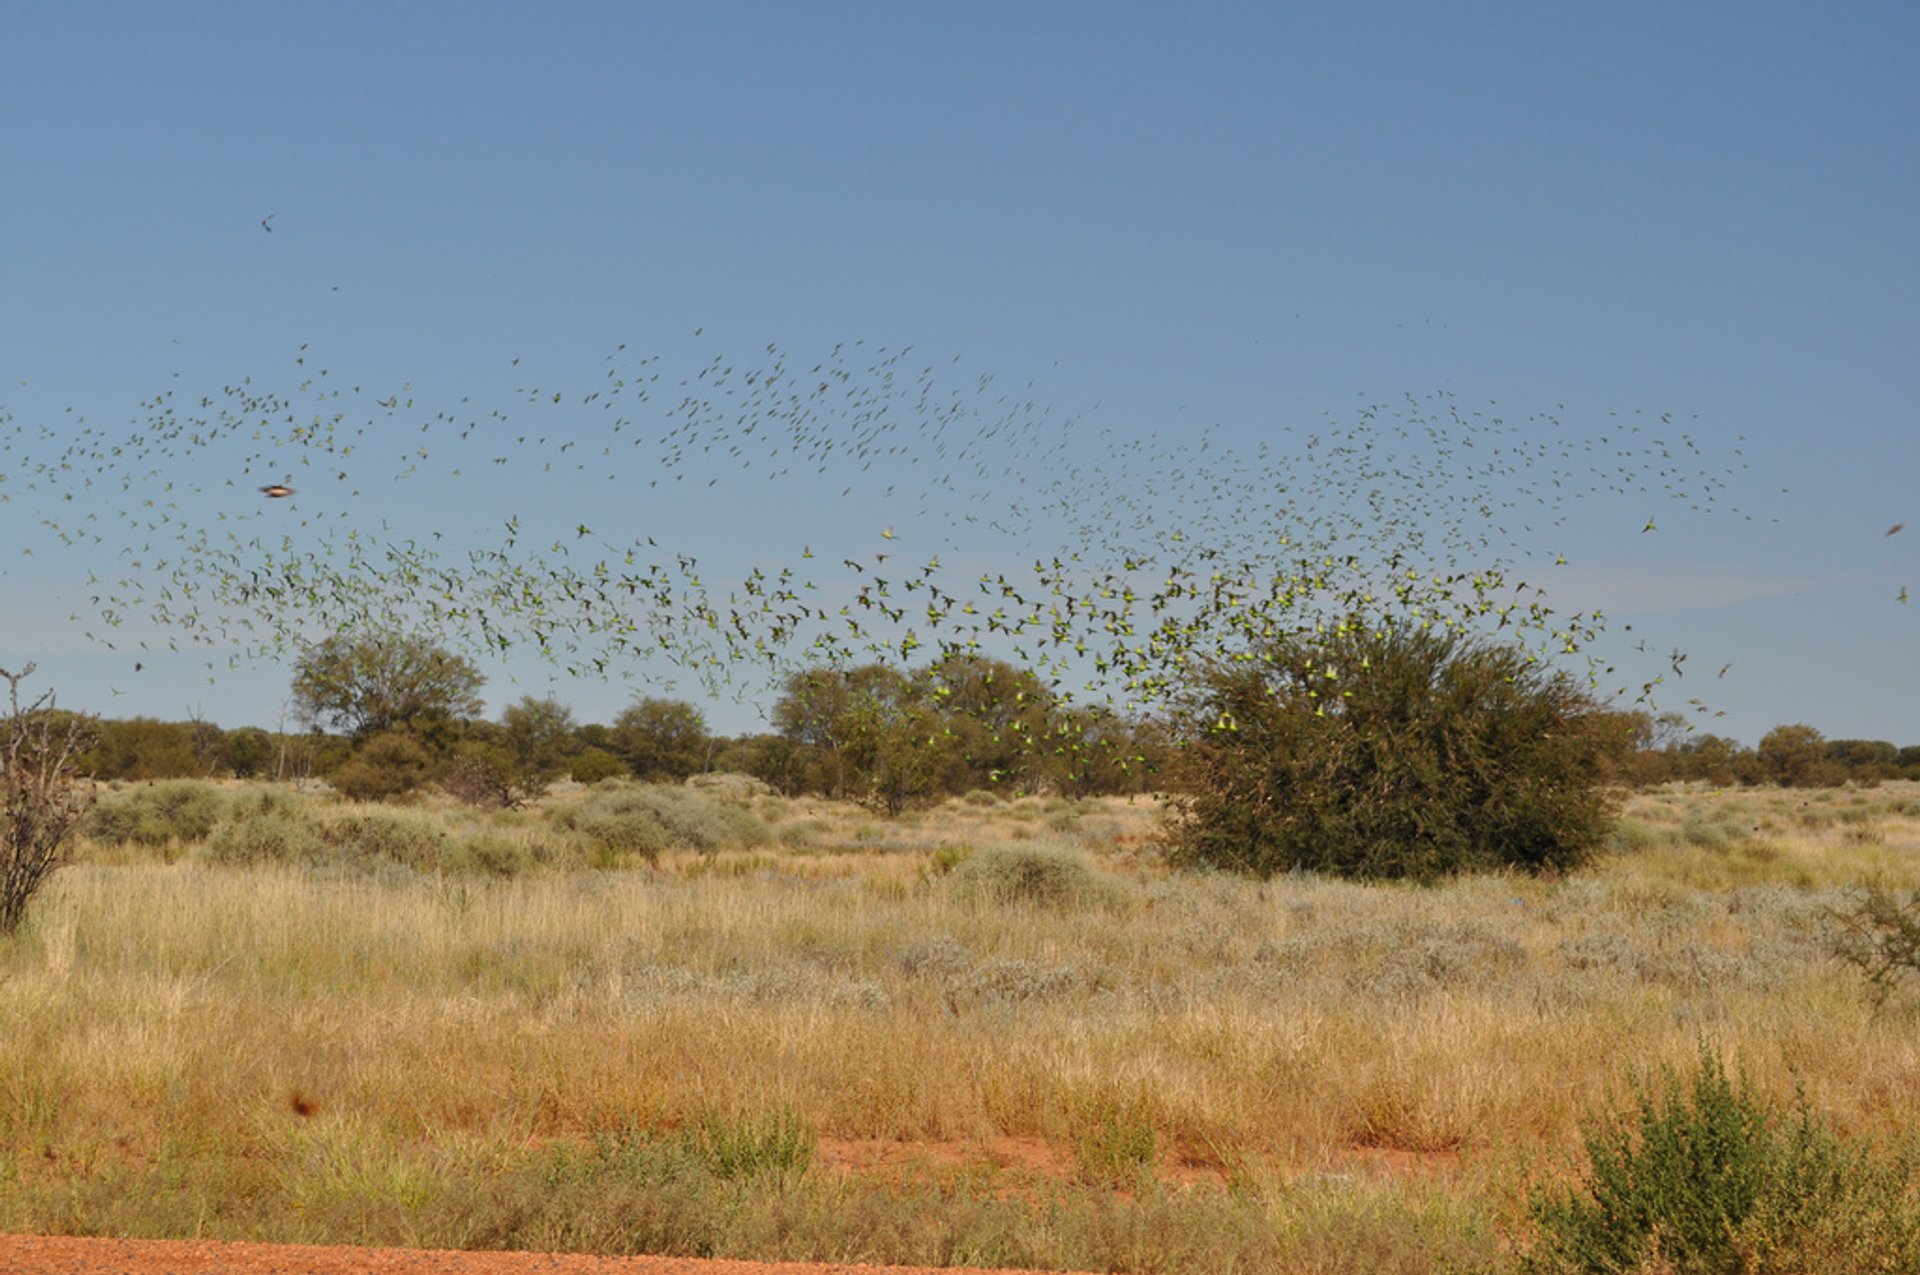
(591, 765)
(389, 765)
(267, 827)
(41, 804)
(1706, 1177)
(1391, 752)
(152, 816)
(1878, 933)
(1051, 876)
(642, 821)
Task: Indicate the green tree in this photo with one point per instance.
(372, 682)
(248, 751)
(661, 739)
(1795, 756)
(1391, 752)
(537, 736)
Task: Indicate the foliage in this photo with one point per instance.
(1390, 752)
(661, 740)
(380, 680)
(181, 810)
(1707, 1177)
(385, 766)
(1878, 933)
(41, 801)
(1795, 756)
(592, 764)
(508, 766)
(641, 821)
(892, 738)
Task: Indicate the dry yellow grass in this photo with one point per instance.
(307, 1037)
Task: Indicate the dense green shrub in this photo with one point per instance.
(642, 821)
(1052, 876)
(391, 764)
(156, 814)
(1390, 752)
(1704, 1176)
(590, 765)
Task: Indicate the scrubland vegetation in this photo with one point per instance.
(998, 1030)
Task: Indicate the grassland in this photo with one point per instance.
(999, 1032)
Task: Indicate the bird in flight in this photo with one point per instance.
(1895, 527)
(276, 490)
(264, 220)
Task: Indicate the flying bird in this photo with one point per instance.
(1895, 527)
(264, 220)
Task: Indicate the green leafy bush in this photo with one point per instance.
(157, 814)
(1391, 753)
(1705, 1177)
(390, 764)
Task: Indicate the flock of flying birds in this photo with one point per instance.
(1114, 565)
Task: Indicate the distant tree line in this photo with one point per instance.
(1647, 750)
(391, 713)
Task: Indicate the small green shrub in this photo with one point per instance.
(779, 1143)
(1115, 1144)
(1705, 1177)
(1050, 876)
(644, 820)
(368, 839)
(154, 815)
(267, 827)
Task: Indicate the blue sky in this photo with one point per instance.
(1236, 219)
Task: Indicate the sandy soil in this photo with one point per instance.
(65, 1255)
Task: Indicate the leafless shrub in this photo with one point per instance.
(41, 800)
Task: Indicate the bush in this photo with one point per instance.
(153, 816)
(1705, 1177)
(1051, 876)
(41, 804)
(1391, 753)
(1878, 933)
(642, 821)
(591, 765)
(391, 764)
(267, 827)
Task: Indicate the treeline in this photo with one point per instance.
(393, 714)
(1650, 750)
(875, 735)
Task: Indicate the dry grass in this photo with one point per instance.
(1225, 1074)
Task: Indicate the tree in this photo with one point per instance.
(41, 802)
(537, 736)
(377, 681)
(661, 739)
(1795, 756)
(1393, 751)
